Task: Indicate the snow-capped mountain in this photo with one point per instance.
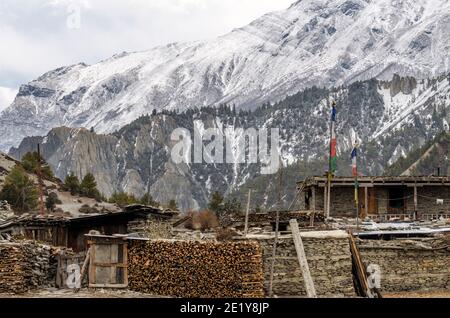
(388, 118)
(324, 43)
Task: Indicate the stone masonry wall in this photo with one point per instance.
(329, 260)
(342, 200)
(406, 266)
(426, 201)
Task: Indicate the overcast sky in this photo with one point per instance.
(39, 35)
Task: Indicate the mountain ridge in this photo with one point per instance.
(312, 43)
(137, 158)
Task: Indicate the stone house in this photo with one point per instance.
(378, 196)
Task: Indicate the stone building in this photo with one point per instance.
(378, 196)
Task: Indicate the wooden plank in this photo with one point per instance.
(366, 201)
(360, 269)
(92, 264)
(309, 283)
(415, 199)
(83, 268)
(313, 198)
(125, 261)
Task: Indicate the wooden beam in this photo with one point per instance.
(309, 283)
(366, 201)
(361, 274)
(313, 198)
(415, 201)
(247, 212)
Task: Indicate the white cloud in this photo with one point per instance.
(6, 97)
(37, 39)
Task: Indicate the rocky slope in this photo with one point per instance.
(70, 205)
(430, 159)
(388, 118)
(325, 43)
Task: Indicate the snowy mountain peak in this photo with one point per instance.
(312, 43)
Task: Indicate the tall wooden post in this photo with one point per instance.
(325, 201)
(247, 212)
(329, 197)
(366, 201)
(313, 198)
(415, 201)
(40, 183)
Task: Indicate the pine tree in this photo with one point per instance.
(88, 187)
(172, 205)
(216, 202)
(72, 184)
(19, 191)
(30, 162)
(123, 199)
(51, 201)
(147, 199)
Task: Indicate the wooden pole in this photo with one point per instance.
(247, 212)
(415, 201)
(309, 283)
(313, 198)
(277, 228)
(325, 200)
(40, 183)
(366, 201)
(329, 196)
(84, 269)
(274, 254)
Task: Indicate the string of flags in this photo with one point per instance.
(333, 141)
(355, 171)
(333, 153)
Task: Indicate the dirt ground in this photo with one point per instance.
(104, 293)
(84, 293)
(423, 294)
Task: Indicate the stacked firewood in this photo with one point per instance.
(24, 266)
(196, 269)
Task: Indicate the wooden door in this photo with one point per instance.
(108, 265)
(372, 206)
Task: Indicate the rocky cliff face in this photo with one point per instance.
(137, 158)
(325, 43)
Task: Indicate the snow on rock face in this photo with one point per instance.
(323, 43)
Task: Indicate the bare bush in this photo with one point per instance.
(204, 220)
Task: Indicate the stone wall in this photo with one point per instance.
(382, 200)
(343, 205)
(342, 201)
(426, 201)
(329, 260)
(408, 265)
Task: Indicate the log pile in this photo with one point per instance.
(196, 269)
(25, 266)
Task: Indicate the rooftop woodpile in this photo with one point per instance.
(196, 269)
